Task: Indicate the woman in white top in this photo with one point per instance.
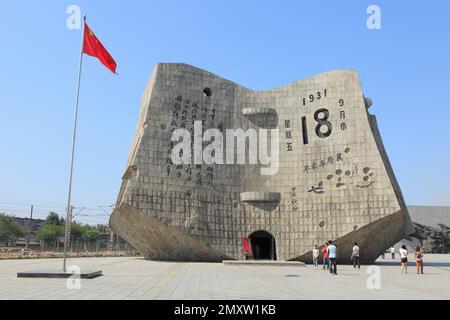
(315, 256)
(403, 258)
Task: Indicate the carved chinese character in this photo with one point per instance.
(287, 124)
(289, 146)
(317, 190)
(322, 163)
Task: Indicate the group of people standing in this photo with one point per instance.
(418, 257)
(329, 257)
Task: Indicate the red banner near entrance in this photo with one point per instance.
(246, 245)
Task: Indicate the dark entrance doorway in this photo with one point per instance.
(263, 246)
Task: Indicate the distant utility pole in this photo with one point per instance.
(30, 227)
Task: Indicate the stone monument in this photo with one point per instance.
(333, 179)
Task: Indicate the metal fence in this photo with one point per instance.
(107, 244)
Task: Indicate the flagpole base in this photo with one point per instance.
(58, 274)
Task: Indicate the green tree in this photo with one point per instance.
(76, 234)
(54, 219)
(89, 235)
(83, 233)
(76, 230)
(51, 233)
(9, 229)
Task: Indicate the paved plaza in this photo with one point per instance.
(136, 278)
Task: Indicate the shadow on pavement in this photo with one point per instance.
(412, 263)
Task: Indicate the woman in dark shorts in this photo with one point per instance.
(404, 258)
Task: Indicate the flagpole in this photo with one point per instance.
(75, 122)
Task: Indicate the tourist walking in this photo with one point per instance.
(332, 256)
(403, 258)
(418, 256)
(315, 253)
(325, 257)
(355, 256)
(393, 252)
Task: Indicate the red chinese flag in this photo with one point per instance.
(93, 47)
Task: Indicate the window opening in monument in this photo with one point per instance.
(207, 92)
(263, 246)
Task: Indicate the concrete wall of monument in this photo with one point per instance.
(331, 180)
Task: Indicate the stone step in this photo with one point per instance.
(270, 263)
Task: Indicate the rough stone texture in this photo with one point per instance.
(338, 186)
(432, 239)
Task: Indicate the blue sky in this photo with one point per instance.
(404, 68)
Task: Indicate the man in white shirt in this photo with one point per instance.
(332, 256)
(355, 256)
(393, 252)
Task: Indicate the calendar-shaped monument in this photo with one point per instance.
(328, 178)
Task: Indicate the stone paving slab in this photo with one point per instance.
(137, 279)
